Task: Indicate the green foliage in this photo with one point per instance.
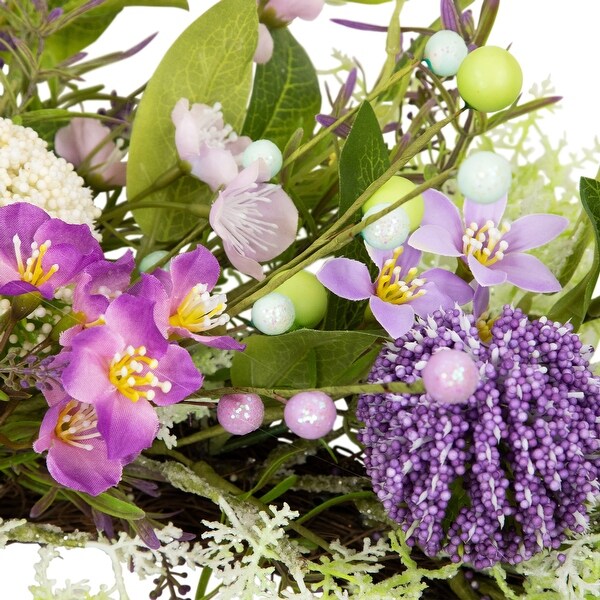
(87, 27)
(574, 304)
(285, 96)
(210, 62)
(303, 359)
(115, 507)
(363, 159)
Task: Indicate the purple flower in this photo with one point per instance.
(397, 294)
(256, 221)
(184, 305)
(505, 474)
(41, 254)
(203, 139)
(77, 456)
(494, 253)
(98, 284)
(121, 367)
(87, 143)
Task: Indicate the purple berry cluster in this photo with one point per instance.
(504, 474)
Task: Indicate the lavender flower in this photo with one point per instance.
(398, 293)
(505, 474)
(494, 253)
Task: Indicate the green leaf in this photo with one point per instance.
(286, 93)
(301, 359)
(113, 506)
(90, 25)
(281, 488)
(574, 304)
(363, 159)
(210, 62)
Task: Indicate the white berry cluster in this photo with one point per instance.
(29, 172)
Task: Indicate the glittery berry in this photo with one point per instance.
(450, 376)
(240, 413)
(310, 415)
(508, 472)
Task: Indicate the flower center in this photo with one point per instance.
(200, 311)
(395, 288)
(31, 271)
(485, 243)
(245, 221)
(132, 373)
(77, 422)
(210, 128)
(484, 326)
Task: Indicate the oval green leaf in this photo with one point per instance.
(210, 62)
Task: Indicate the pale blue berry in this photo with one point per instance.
(150, 260)
(484, 177)
(273, 314)
(390, 231)
(266, 150)
(444, 52)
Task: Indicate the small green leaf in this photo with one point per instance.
(574, 304)
(270, 471)
(363, 159)
(210, 62)
(301, 359)
(281, 488)
(113, 506)
(286, 93)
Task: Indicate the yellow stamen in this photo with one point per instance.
(484, 326)
(391, 288)
(127, 374)
(200, 311)
(77, 423)
(485, 243)
(31, 271)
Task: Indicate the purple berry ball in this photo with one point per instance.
(310, 415)
(450, 376)
(240, 413)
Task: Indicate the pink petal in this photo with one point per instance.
(287, 10)
(396, 319)
(435, 239)
(75, 141)
(484, 275)
(480, 213)
(532, 231)
(214, 166)
(346, 278)
(242, 263)
(529, 273)
(264, 49)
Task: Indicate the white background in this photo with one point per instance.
(549, 38)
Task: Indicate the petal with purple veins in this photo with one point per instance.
(450, 284)
(396, 319)
(529, 273)
(441, 211)
(434, 239)
(484, 275)
(481, 213)
(532, 231)
(346, 278)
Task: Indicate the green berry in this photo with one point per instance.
(489, 79)
(394, 189)
(308, 296)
